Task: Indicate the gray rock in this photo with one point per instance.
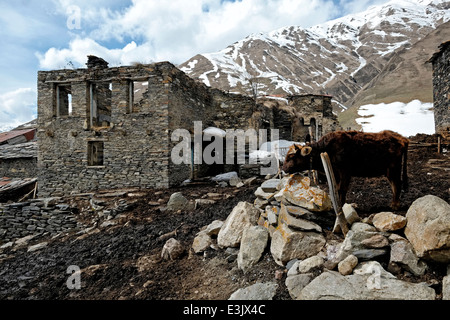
(402, 253)
(270, 185)
(178, 202)
(172, 249)
(350, 213)
(354, 238)
(347, 265)
(214, 227)
(260, 193)
(296, 223)
(288, 244)
(234, 181)
(377, 241)
(331, 285)
(428, 228)
(309, 264)
(272, 214)
(446, 288)
(253, 242)
(257, 291)
(201, 242)
(299, 192)
(388, 221)
(368, 254)
(296, 283)
(244, 215)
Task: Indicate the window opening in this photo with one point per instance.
(100, 104)
(95, 153)
(138, 96)
(63, 100)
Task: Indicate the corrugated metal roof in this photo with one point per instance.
(28, 133)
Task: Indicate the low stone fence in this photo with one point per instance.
(38, 216)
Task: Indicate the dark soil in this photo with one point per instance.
(123, 261)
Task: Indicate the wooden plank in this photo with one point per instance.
(340, 218)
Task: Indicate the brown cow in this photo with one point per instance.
(355, 154)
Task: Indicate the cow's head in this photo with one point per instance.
(297, 159)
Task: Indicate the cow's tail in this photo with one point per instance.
(405, 181)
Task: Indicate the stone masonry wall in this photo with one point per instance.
(441, 89)
(18, 168)
(35, 217)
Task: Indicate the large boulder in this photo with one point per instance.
(253, 242)
(242, 216)
(288, 244)
(428, 228)
(370, 283)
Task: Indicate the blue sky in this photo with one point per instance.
(53, 34)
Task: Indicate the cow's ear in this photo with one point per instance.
(306, 151)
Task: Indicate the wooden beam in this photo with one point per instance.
(341, 221)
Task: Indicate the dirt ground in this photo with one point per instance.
(123, 261)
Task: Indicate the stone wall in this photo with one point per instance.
(18, 168)
(35, 217)
(441, 88)
(314, 117)
(19, 160)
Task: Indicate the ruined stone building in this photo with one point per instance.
(18, 152)
(441, 89)
(106, 128)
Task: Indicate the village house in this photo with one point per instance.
(441, 89)
(106, 128)
(18, 152)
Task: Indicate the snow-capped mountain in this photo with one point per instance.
(338, 57)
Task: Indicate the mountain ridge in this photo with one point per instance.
(339, 57)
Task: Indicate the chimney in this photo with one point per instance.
(96, 62)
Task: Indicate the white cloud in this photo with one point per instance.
(79, 49)
(17, 107)
(177, 30)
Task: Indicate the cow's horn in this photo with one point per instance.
(306, 151)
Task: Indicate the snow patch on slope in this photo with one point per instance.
(407, 119)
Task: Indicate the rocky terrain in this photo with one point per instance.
(150, 244)
(340, 57)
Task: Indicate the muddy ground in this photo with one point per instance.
(123, 261)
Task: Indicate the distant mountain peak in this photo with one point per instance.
(338, 57)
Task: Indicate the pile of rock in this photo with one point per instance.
(289, 209)
(288, 216)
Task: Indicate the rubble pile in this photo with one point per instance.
(293, 220)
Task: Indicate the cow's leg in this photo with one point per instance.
(343, 184)
(394, 177)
